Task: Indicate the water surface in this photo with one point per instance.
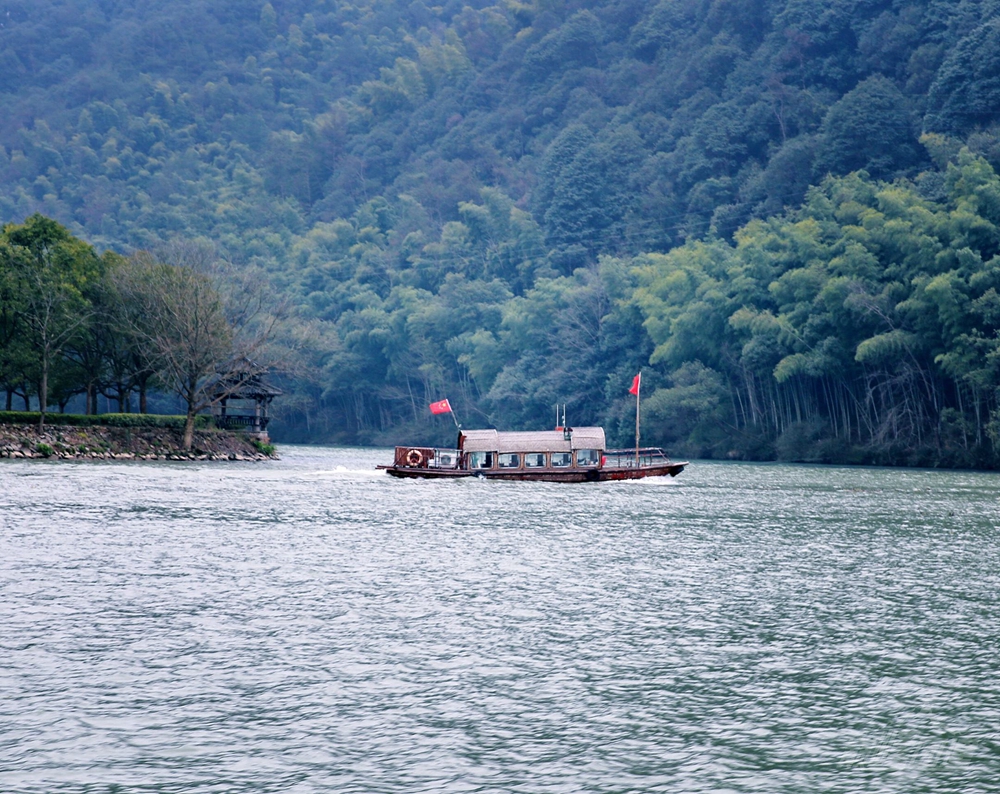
(312, 625)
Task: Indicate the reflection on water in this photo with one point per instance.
(314, 625)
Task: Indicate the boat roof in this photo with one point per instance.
(533, 440)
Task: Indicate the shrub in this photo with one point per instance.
(101, 420)
(45, 449)
(263, 448)
(799, 442)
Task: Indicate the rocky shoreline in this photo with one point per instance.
(61, 442)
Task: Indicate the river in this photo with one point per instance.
(311, 625)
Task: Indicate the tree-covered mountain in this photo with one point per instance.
(518, 204)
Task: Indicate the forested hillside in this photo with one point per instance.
(518, 204)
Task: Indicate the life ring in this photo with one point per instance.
(414, 457)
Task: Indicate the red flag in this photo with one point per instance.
(441, 407)
(635, 385)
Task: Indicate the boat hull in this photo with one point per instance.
(606, 474)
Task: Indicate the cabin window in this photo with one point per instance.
(562, 459)
(509, 460)
(534, 460)
(587, 457)
(481, 460)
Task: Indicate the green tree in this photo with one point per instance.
(870, 128)
(965, 93)
(52, 270)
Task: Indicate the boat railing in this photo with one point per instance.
(427, 458)
(626, 458)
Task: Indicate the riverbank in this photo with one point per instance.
(64, 442)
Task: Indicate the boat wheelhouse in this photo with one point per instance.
(562, 455)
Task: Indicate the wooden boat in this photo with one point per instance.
(561, 455)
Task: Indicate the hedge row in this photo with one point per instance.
(101, 420)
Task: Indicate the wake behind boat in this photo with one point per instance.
(561, 455)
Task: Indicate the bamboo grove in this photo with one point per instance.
(862, 327)
(859, 328)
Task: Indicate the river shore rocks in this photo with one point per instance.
(60, 442)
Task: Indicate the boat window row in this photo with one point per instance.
(583, 458)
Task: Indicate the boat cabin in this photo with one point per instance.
(575, 452)
(563, 449)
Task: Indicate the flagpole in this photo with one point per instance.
(638, 389)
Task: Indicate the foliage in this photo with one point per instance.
(964, 93)
(74, 322)
(867, 317)
(251, 124)
(262, 447)
(521, 204)
(49, 274)
(101, 420)
(871, 128)
(186, 331)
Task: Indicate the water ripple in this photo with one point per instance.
(312, 626)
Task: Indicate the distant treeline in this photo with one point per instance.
(860, 328)
(623, 126)
(864, 327)
(520, 204)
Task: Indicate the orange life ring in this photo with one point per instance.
(414, 457)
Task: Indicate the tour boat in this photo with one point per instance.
(566, 454)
